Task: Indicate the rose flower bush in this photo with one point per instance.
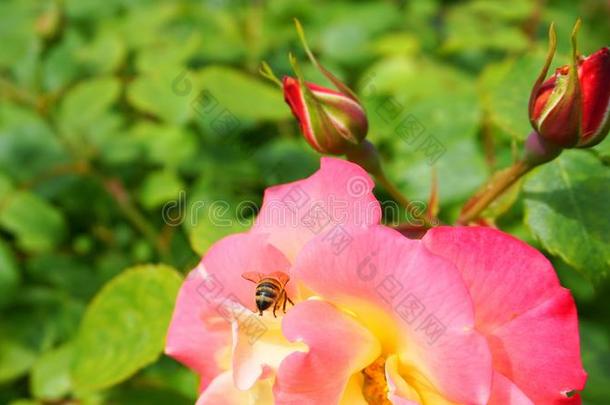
(465, 315)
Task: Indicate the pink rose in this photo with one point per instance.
(464, 315)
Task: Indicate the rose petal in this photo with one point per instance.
(338, 347)
(352, 395)
(504, 391)
(595, 82)
(538, 351)
(200, 328)
(505, 277)
(258, 346)
(340, 193)
(221, 391)
(237, 254)
(530, 320)
(293, 94)
(414, 301)
(400, 392)
(543, 95)
(189, 340)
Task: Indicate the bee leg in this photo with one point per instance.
(284, 303)
(274, 308)
(289, 300)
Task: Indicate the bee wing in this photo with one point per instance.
(282, 277)
(253, 276)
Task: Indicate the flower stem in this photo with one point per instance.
(499, 183)
(392, 189)
(412, 210)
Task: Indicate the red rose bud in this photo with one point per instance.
(571, 108)
(332, 122)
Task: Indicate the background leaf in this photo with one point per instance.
(565, 207)
(124, 326)
(51, 374)
(244, 96)
(37, 225)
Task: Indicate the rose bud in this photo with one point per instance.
(331, 121)
(571, 108)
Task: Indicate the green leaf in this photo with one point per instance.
(566, 204)
(397, 44)
(505, 90)
(28, 147)
(157, 140)
(160, 187)
(124, 326)
(16, 31)
(79, 9)
(603, 149)
(169, 373)
(16, 358)
(37, 318)
(38, 226)
(50, 376)
(347, 39)
(484, 25)
(595, 345)
(9, 275)
(425, 126)
(86, 102)
(168, 51)
(24, 402)
(61, 67)
(104, 54)
(208, 220)
(65, 272)
(40, 317)
(142, 26)
(581, 288)
(235, 93)
(160, 93)
(147, 396)
(6, 186)
(284, 161)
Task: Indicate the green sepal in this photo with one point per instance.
(545, 69)
(266, 71)
(338, 83)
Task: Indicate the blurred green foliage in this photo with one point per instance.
(138, 131)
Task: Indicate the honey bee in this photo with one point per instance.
(270, 290)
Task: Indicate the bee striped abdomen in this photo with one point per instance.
(270, 290)
(267, 292)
